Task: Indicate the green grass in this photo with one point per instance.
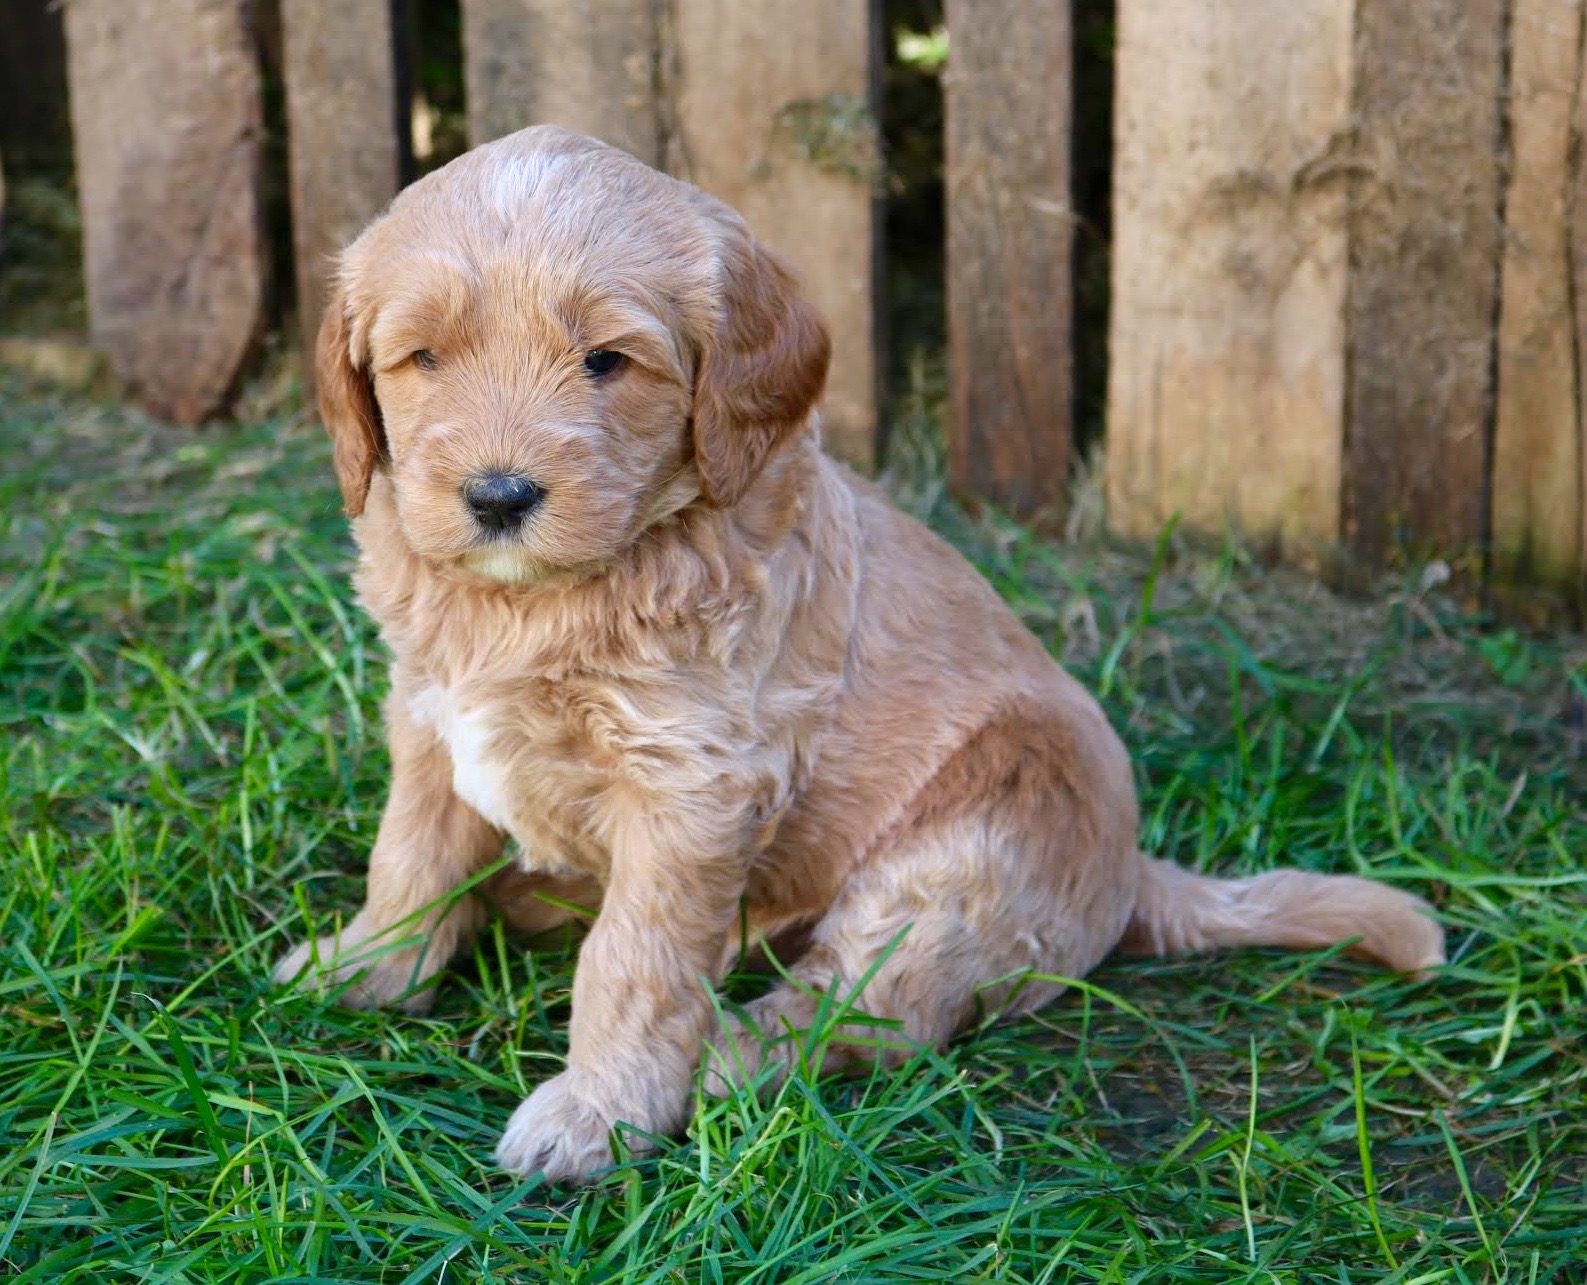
(191, 768)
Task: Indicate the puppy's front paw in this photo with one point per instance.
(732, 1059)
(741, 1055)
(562, 1128)
(359, 971)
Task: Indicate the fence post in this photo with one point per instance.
(343, 117)
(1538, 478)
(1576, 230)
(1226, 383)
(775, 114)
(1425, 241)
(1010, 234)
(593, 69)
(165, 106)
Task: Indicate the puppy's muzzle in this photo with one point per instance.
(501, 501)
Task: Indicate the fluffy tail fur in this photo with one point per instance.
(1178, 911)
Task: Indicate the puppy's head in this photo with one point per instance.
(548, 346)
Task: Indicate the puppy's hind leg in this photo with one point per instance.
(1020, 859)
(949, 924)
(429, 844)
(531, 902)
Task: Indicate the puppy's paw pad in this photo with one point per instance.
(558, 1131)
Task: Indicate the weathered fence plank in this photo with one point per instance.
(1537, 449)
(1576, 231)
(343, 120)
(166, 112)
(559, 62)
(1010, 235)
(1425, 252)
(774, 114)
(1226, 387)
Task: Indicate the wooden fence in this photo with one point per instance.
(1346, 253)
(1348, 249)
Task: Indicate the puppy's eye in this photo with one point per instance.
(602, 361)
(424, 359)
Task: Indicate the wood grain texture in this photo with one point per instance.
(1010, 237)
(1425, 253)
(1576, 232)
(342, 120)
(1537, 448)
(591, 68)
(774, 113)
(166, 115)
(1226, 387)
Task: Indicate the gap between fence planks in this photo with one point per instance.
(166, 114)
(775, 114)
(343, 118)
(1010, 235)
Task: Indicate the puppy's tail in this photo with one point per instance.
(1178, 911)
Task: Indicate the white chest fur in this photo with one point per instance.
(477, 776)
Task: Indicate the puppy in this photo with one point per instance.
(706, 679)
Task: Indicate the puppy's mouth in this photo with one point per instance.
(502, 505)
(503, 560)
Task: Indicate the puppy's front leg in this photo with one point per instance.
(429, 843)
(641, 1005)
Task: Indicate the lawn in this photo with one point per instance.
(192, 773)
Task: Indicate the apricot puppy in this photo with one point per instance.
(706, 679)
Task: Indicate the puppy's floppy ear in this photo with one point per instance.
(347, 406)
(760, 373)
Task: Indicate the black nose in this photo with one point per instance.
(501, 501)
